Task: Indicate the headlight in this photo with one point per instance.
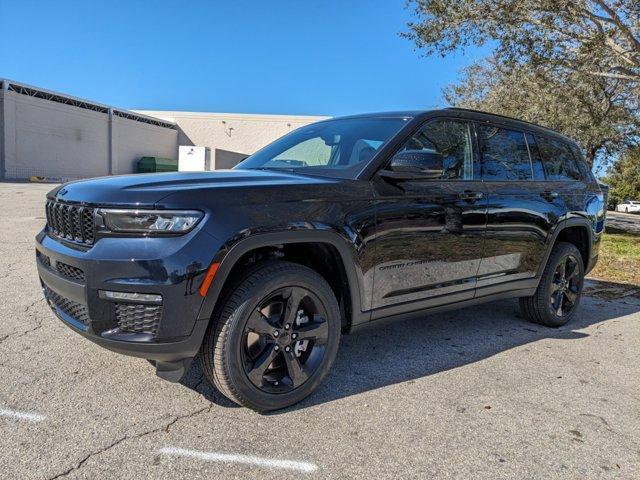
(150, 221)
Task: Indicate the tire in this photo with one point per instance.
(241, 327)
(541, 307)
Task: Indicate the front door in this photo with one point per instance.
(429, 233)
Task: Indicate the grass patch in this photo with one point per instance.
(619, 259)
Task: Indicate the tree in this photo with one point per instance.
(599, 38)
(599, 112)
(624, 177)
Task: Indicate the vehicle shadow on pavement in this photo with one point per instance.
(430, 344)
(196, 380)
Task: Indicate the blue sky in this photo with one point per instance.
(278, 56)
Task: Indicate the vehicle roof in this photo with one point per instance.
(392, 114)
(465, 113)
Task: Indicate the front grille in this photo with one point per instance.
(75, 310)
(70, 271)
(70, 222)
(138, 317)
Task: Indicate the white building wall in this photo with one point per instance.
(53, 135)
(232, 132)
(53, 139)
(2, 133)
(132, 140)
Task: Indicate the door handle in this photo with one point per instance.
(469, 196)
(549, 195)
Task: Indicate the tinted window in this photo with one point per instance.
(585, 171)
(312, 152)
(559, 161)
(364, 150)
(536, 160)
(452, 140)
(339, 147)
(504, 154)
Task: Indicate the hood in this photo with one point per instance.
(145, 190)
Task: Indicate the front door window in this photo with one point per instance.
(452, 140)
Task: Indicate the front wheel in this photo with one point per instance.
(275, 338)
(558, 295)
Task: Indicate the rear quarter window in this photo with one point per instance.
(585, 170)
(560, 162)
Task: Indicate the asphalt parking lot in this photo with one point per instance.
(477, 393)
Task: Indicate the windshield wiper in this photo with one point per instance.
(282, 169)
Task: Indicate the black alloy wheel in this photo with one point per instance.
(285, 340)
(557, 297)
(274, 338)
(565, 286)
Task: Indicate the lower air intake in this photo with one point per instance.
(75, 310)
(138, 317)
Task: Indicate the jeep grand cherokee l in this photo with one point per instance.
(332, 228)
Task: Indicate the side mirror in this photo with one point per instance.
(414, 164)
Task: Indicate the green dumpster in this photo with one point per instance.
(157, 164)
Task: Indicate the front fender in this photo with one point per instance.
(227, 257)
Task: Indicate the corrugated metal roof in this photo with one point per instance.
(37, 92)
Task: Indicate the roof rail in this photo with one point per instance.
(503, 116)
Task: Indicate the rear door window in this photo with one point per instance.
(560, 163)
(505, 155)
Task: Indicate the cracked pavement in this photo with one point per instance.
(477, 393)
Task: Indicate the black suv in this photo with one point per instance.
(332, 228)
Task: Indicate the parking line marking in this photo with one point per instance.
(31, 417)
(271, 463)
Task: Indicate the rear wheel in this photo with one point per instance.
(560, 289)
(275, 338)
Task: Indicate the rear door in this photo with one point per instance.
(522, 207)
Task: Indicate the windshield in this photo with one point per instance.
(334, 148)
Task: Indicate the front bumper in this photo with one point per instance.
(173, 267)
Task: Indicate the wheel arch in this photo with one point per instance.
(228, 258)
(577, 231)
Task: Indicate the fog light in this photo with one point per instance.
(131, 297)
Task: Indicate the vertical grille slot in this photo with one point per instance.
(87, 225)
(76, 224)
(70, 222)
